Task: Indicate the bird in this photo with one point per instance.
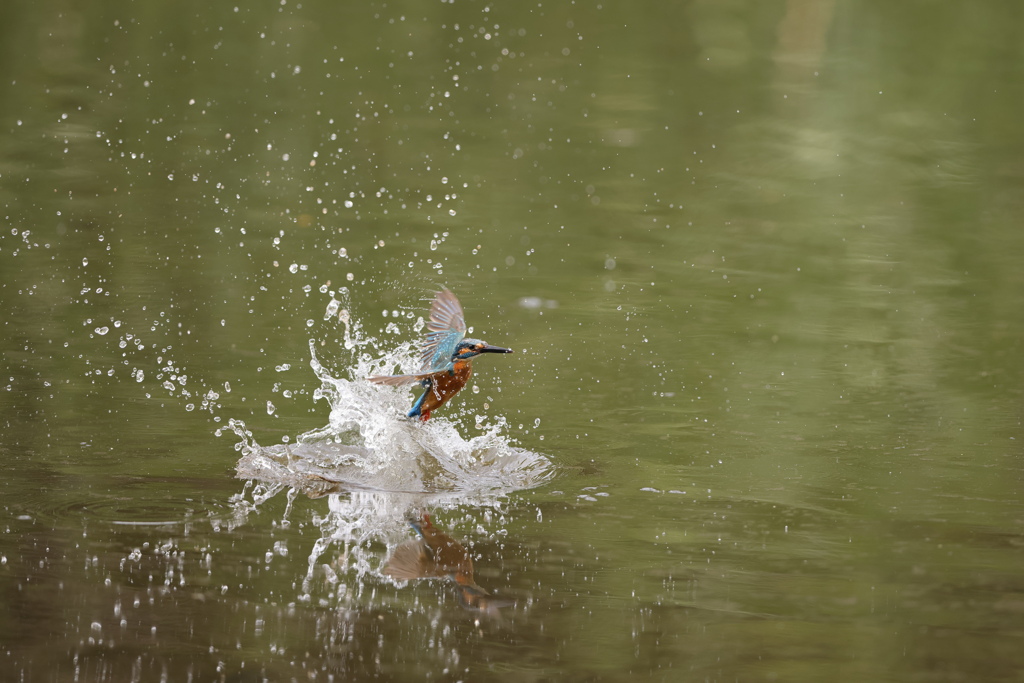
(445, 355)
(434, 554)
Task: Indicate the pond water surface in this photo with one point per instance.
(760, 264)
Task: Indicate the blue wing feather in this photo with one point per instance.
(445, 329)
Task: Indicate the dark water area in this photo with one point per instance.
(759, 264)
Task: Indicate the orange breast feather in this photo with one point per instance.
(446, 385)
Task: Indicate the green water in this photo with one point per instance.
(760, 263)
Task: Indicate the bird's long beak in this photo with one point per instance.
(494, 349)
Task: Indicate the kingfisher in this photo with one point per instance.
(434, 554)
(445, 354)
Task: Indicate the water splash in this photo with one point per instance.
(374, 464)
(368, 444)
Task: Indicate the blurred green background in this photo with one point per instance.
(760, 262)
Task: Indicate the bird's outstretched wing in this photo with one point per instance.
(399, 380)
(446, 328)
(409, 561)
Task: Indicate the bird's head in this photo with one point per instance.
(468, 348)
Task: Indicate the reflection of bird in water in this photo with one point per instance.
(445, 353)
(435, 555)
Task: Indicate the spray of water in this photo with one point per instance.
(374, 464)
